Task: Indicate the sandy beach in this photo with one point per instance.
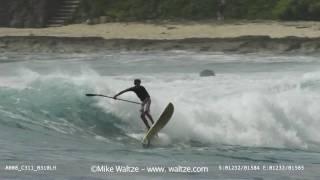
(175, 30)
(235, 37)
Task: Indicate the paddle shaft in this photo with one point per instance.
(113, 98)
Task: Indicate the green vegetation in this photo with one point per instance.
(149, 9)
(302, 10)
(132, 10)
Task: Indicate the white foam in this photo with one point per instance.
(161, 140)
(137, 136)
(232, 109)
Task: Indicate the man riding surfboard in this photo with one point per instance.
(144, 96)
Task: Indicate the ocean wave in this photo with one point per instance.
(260, 110)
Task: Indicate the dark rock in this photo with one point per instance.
(207, 72)
(98, 44)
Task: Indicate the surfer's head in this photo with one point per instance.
(137, 82)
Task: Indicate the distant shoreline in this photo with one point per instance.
(248, 44)
(213, 36)
(176, 30)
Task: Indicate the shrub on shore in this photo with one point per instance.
(132, 10)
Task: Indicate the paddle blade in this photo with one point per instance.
(90, 94)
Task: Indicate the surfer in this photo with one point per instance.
(144, 96)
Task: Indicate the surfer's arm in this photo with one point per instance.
(126, 90)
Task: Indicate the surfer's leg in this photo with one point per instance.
(150, 117)
(143, 117)
(147, 111)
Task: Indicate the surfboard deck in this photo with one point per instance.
(159, 124)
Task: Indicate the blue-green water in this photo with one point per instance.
(258, 110)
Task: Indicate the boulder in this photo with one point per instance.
(207, 72)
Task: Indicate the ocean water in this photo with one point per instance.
(260, 110)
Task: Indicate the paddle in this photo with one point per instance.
(113, 98)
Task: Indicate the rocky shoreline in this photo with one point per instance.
(244, 44)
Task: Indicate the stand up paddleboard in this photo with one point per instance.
(158, 125)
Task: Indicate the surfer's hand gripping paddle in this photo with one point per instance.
(113, 98)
